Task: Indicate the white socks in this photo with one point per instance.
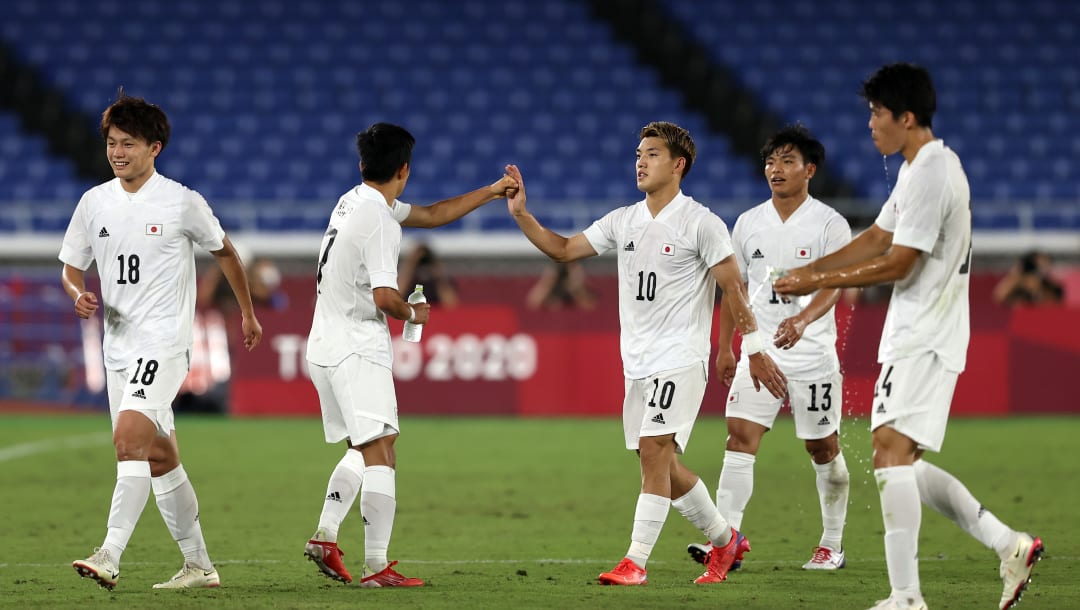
(833, 482)
(345, 483)
(735, 487)
(649, 517)
(698, 508)
(944, 493)
(901, 512)
(378, 505)
(180, 509)
(128, 500)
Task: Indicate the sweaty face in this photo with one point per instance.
(655, 167)
(787, 173)
(131, 158)
(886, 130)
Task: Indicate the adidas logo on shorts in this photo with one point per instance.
(659, 419)
(881, 408)
(824, 421)
(140, 393)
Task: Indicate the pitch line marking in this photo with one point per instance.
(14, 452)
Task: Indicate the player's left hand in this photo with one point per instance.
(725, 366)
(764, 372)
(799, 281)
(515, 198)
(789, 332)
(252, 332)
(506, 186)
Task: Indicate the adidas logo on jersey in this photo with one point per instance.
(335, 496)
(757, 253)
(881, 408)
(629, 247)
(140, 393)
(659, 419)
(103, 232)
(824, 421)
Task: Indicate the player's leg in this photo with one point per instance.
(346, 478)
(652, 508)
(817, 407)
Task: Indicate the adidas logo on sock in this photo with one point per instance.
(757, 254)
(103, 232)
(881, 408)
(335, 496)
(629, 247)
(140, 393)
(366, 522)
(824, 421)
(659, 419)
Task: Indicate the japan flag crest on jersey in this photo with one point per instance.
(802, 252)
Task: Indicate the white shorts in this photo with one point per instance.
(816, 406)
(665, 403)
(357, 400)
(148, 386)
(913, 396)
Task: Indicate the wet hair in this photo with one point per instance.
(384, 149)
(137, 117)
(677, 139)
(799, 138)
(903, 87)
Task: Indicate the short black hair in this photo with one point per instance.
(384, 148)
(798, 137)
(137, 117)
(903, 87)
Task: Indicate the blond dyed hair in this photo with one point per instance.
(677, 139)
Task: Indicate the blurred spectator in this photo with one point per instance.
(423, 266)
(1029, 283)
(562, 285)
(264, 282)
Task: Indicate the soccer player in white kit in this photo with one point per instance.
(349, 350)
(921, 240)
(672, 252)
(140, 229)
(788, 230)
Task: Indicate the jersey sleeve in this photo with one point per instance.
(400, 210)
(601, 234)
(200, 224)
(922, 208)
(738, 237)
(714, 241)
(380, 251)
(76, 250)
(837, 234)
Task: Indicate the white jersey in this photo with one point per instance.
(762, 241)
(666, 291)
(359, 253)
(142, 244)
(930, 210)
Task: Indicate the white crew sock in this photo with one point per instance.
(128, 500)
(378, 504)
(945, 493)
(179, 507)
(649, 518)
(833, 482)
(698, 508)
(901, 513)
(736, 486)
(341, 491)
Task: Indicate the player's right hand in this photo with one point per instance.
(515, 199)
(422, 312)
(764, 372)
(86, 305)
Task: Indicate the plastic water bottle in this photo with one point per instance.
(412, 331)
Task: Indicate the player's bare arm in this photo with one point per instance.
(233, 269)
(865, 250)
(559, 248)
(893, 265)
(449, 210)
(74, 281)
(762, 368)
(791, 329)
(391, 303)
(725, 355)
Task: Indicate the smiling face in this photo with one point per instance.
(655, 166)
(131, 158)
(788, 174)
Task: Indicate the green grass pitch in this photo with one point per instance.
(514, 513)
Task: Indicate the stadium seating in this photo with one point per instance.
(265, 98)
